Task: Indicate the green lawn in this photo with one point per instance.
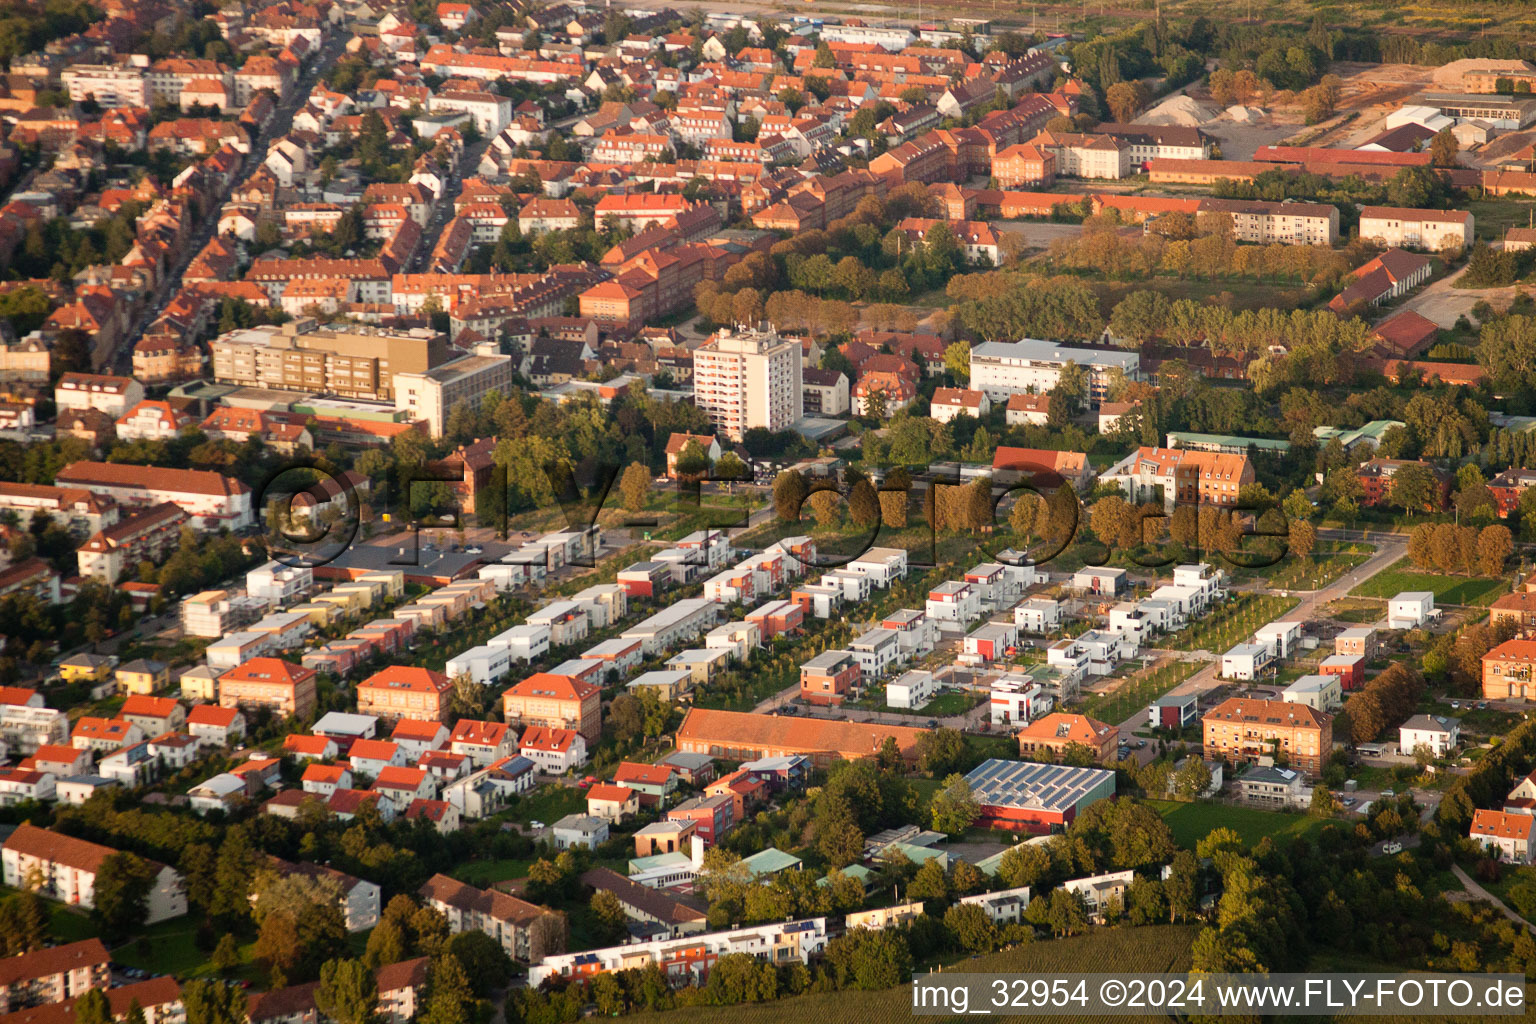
(1192, 822)
(956, 702)
(170, 947)
(1474, 722)
(65, 923)
(1355, 610)
(485, 873)
(1401, 576)
(550, 803)
(1493, 215)
(1316, 570)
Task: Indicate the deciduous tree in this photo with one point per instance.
(347, 993)
(953, 808)
(635, 486)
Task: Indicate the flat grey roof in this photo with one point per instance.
(1036, 350)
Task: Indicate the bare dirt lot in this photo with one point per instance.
(1239, 141)
(1441, 302)
(1037, 234)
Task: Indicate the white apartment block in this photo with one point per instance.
(24, 728)
(67, 868)
(1030, 366)
(1005, 906)
(1261, 223)
(484, 664)
(489, 111)
(877, 651)
(1017, 699)
(524, 643)
(686, 960)
(881, 565)
(748, 378)
(1416, 229)
(911, 690)
(915, 632)
(108, 84)
(1095, 653)
(1087, 156)
(278, 584)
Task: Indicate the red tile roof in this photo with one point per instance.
(403, 677)
(1498, 825)
(57, 848)
(545, 684)
(46, 962)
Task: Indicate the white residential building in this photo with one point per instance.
(1246, 661)
(1099, 892)
(748, 378)
(523, 643)
(777, 943)
(1017, 699)
(1280, 637)
(1317, 691)
(1002, 368)
(581, 830)
(1038, 615)
(1006, 906)
(1416, 229)
(954, 601)
(882, 565)
(912, 690)
(990, 641)
(1436, 733)
(1410, 609)
(915, 631)
(877, 652)
(67, 869)
(1094, 653)
(484, 664)
(279, 585)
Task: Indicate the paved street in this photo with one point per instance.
(1389, 548)
(121, 360)
(442, 210)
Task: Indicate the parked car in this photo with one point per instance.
(1392, 847)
